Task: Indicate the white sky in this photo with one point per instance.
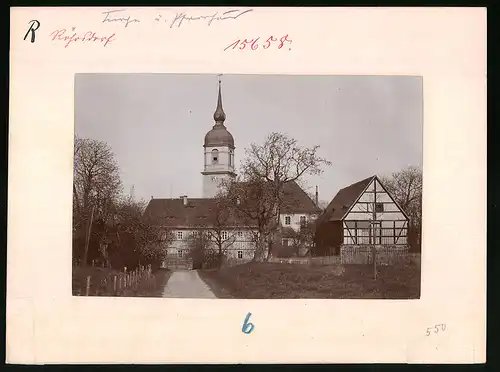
(156, 123)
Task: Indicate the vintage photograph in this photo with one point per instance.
(247, 186)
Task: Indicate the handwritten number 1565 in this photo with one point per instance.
(254, 43)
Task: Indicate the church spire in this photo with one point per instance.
(219, 115)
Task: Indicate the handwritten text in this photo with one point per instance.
(247, 326)
(436, 329)
(32, 29)
(87, 37)
(181, 17)
(110, 17)
(253, 44)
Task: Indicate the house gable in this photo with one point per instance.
(385, 206)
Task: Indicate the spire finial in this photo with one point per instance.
(219, 115)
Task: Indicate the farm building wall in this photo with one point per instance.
(328, 238)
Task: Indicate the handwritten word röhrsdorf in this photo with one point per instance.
(110, 17)
(87, 37)
(254, 44)
(181, 17)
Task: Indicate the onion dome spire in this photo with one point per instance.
(219, 114)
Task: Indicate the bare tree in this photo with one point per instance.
(221, 225)
(266, 169)
(148, 241)
(280, 160)
(96, 176)
(303, 238)
(96, 185)
(252, 202)
(406, 188)
(200, 250)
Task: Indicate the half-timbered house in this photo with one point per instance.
(362, 214)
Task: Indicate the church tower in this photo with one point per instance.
(218, 153)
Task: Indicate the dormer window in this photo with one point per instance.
(215, 156)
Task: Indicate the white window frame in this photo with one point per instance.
(224, 235)
(179, 235)
(240, 253)
(179, 253)
(288, 220)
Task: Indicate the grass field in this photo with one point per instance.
(267, 281)
(152, 288)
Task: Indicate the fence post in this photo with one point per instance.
(114, 284)
(87, 289)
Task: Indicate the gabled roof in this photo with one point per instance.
(343, 201)
(297, 201)
(199, 212)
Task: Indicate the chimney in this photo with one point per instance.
(317, 201)
(185, 199)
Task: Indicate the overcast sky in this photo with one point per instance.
(156, 123)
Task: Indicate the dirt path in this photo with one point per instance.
(187, 284)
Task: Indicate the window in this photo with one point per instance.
(240, 254)
(194, 234)
(231, 158)
(240, 234)
(224, 235)
(179, 253)
(179, 235)
(379, 207)
(285, 242)
(287, 220)
(215, 156)
(302, 220)
(363, 232)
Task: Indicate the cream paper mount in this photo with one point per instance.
(447, 47)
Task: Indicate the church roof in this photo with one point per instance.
(219, 135)
(199, 212)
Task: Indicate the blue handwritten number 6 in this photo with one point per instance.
(247, 326)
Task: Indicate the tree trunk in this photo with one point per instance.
(87, 240)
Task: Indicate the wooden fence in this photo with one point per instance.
(357, 255)
(120, 284)
(322, 260)
(385, 255)
(178, 263)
